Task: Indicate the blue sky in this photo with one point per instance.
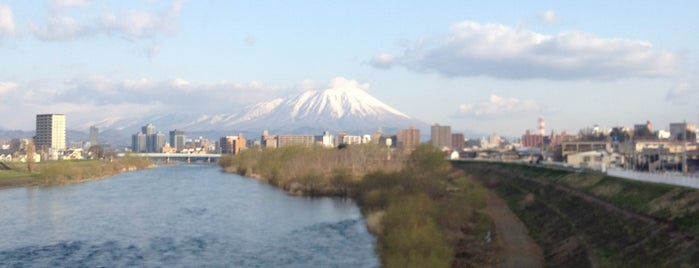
(479, 66)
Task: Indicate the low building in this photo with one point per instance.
(573, 147)
(295, 140)
(597, 160)
(232, 144)
(326, 140)
(268, 141)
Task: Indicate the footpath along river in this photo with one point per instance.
(179, 216)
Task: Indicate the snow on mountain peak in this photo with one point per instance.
(344, 105)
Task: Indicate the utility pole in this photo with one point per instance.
(684, 149)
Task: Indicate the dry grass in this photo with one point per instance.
(373, 222)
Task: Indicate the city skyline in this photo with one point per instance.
(456, 63)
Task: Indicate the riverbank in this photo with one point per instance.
(422, 213)
(590, 219)
(70, 171)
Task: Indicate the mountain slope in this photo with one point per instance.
(344, 109)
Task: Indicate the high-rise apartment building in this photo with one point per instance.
(408, 138)
(457, 141)
(148, 129)
(177, 139)
(50, 132)
(157, 142)
(94, 136)
(441, 136)
(148, 140)
(139, 143)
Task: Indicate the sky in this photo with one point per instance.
(479, 66)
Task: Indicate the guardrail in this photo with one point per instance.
(691, 181)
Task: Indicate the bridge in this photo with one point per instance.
(208, 158)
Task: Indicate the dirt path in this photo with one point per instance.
(517, 248)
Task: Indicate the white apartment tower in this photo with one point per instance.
(50, 132)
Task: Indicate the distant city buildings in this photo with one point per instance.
(327, 140)
(408, 138)
(50, 134)
(148, 140)
(232, 144)
(94, 136)
(440, 136)
(458, 141)
(267, 140)
(177, 139)
(682, 131)
(294, 140)
(532, 140)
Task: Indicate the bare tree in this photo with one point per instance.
(31, 150)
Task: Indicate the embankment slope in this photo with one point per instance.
(592, 220)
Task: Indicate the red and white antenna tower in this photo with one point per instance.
(542, 126)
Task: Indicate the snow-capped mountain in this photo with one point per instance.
(337, 109)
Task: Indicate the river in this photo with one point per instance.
(179, 216)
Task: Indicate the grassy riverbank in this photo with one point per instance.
(14, 174)
(422, 213)
(590, 219)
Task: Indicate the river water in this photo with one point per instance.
(179, 216)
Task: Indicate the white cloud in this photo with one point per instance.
(96, 97)
(6, 87)
(7, 21)
(383, 61)
(680, 94)
(180, 83)
(141, 23)
(549, 16)
(60, 28)
(129, 24)
(250, 40)
(496, 50)
(308, 84)
(69, 3)
(497, 106)
(344, 83)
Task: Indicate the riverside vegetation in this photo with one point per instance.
(422, 212)
(590, 219)
(66, 171)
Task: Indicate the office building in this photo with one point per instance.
(50, 132)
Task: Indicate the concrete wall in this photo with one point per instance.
(686, 181)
